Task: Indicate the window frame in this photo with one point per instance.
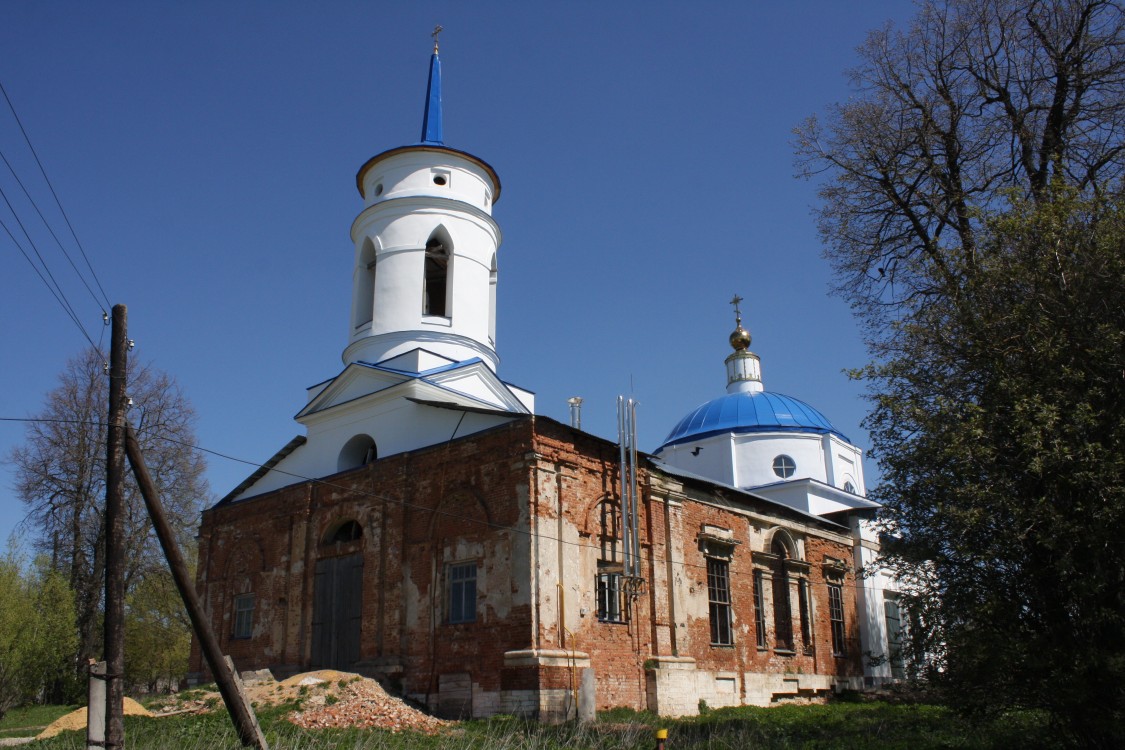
(784, 466)
(610, 586)
(461, 592)
(762, 635)
(242, 625)
(836, 619)
(719, 607)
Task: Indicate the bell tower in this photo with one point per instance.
(425, 249)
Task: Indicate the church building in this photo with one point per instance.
(430, 529)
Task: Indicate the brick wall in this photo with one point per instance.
(526, 504)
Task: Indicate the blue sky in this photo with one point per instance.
(206, 154)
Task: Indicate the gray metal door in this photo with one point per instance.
(337, 611)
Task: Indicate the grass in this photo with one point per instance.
(30, 720)
(837, 726)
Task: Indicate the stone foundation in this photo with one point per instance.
(677, 688)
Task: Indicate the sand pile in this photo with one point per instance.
(77, 719)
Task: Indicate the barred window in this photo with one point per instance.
(243, 616)
(610, 592)
(836, 615)
(759, 609)
(718, 599)
(461, 585)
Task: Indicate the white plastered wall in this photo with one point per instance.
(410, 210)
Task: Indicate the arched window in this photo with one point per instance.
(359, 451)
(435, 291)
(348, 531)
(849, 487)
(363, 305)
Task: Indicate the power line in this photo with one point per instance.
(58, 203)
(59, 296)
(51, 231)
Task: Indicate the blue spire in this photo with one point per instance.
(431, 121)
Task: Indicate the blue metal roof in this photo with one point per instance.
(431, 120)
(750, 412)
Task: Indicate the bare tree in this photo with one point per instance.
(60, 477)
(978, 101)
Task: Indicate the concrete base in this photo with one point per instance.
(676, 688)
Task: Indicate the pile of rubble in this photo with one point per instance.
(363, 703)
(327, 698)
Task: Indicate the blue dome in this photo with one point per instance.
(750, 412)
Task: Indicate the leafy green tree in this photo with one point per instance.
(1000, 426)
(157, 635)
(37, 635)
(970, 204)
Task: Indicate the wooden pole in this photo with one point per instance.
(230, 686)
(114, 643)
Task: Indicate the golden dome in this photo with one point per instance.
(740, 339)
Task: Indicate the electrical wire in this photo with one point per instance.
(59, 296)
(52, 232)
(58, 203)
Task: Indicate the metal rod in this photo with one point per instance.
(633, 499)
(624, 517)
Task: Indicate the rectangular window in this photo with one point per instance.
(461, 585)
(610, 592)
(243, 616)
(718, 599)
(836, 615)
(759, 609)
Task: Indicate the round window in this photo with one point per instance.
(439, 179)
(784, 466)
(379, 189)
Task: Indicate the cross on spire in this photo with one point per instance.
(737, 312)
(437, 30)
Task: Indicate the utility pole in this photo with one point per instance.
(114, 648)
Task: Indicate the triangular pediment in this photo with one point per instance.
(469, 384)
(356, 381)
(476, 380)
